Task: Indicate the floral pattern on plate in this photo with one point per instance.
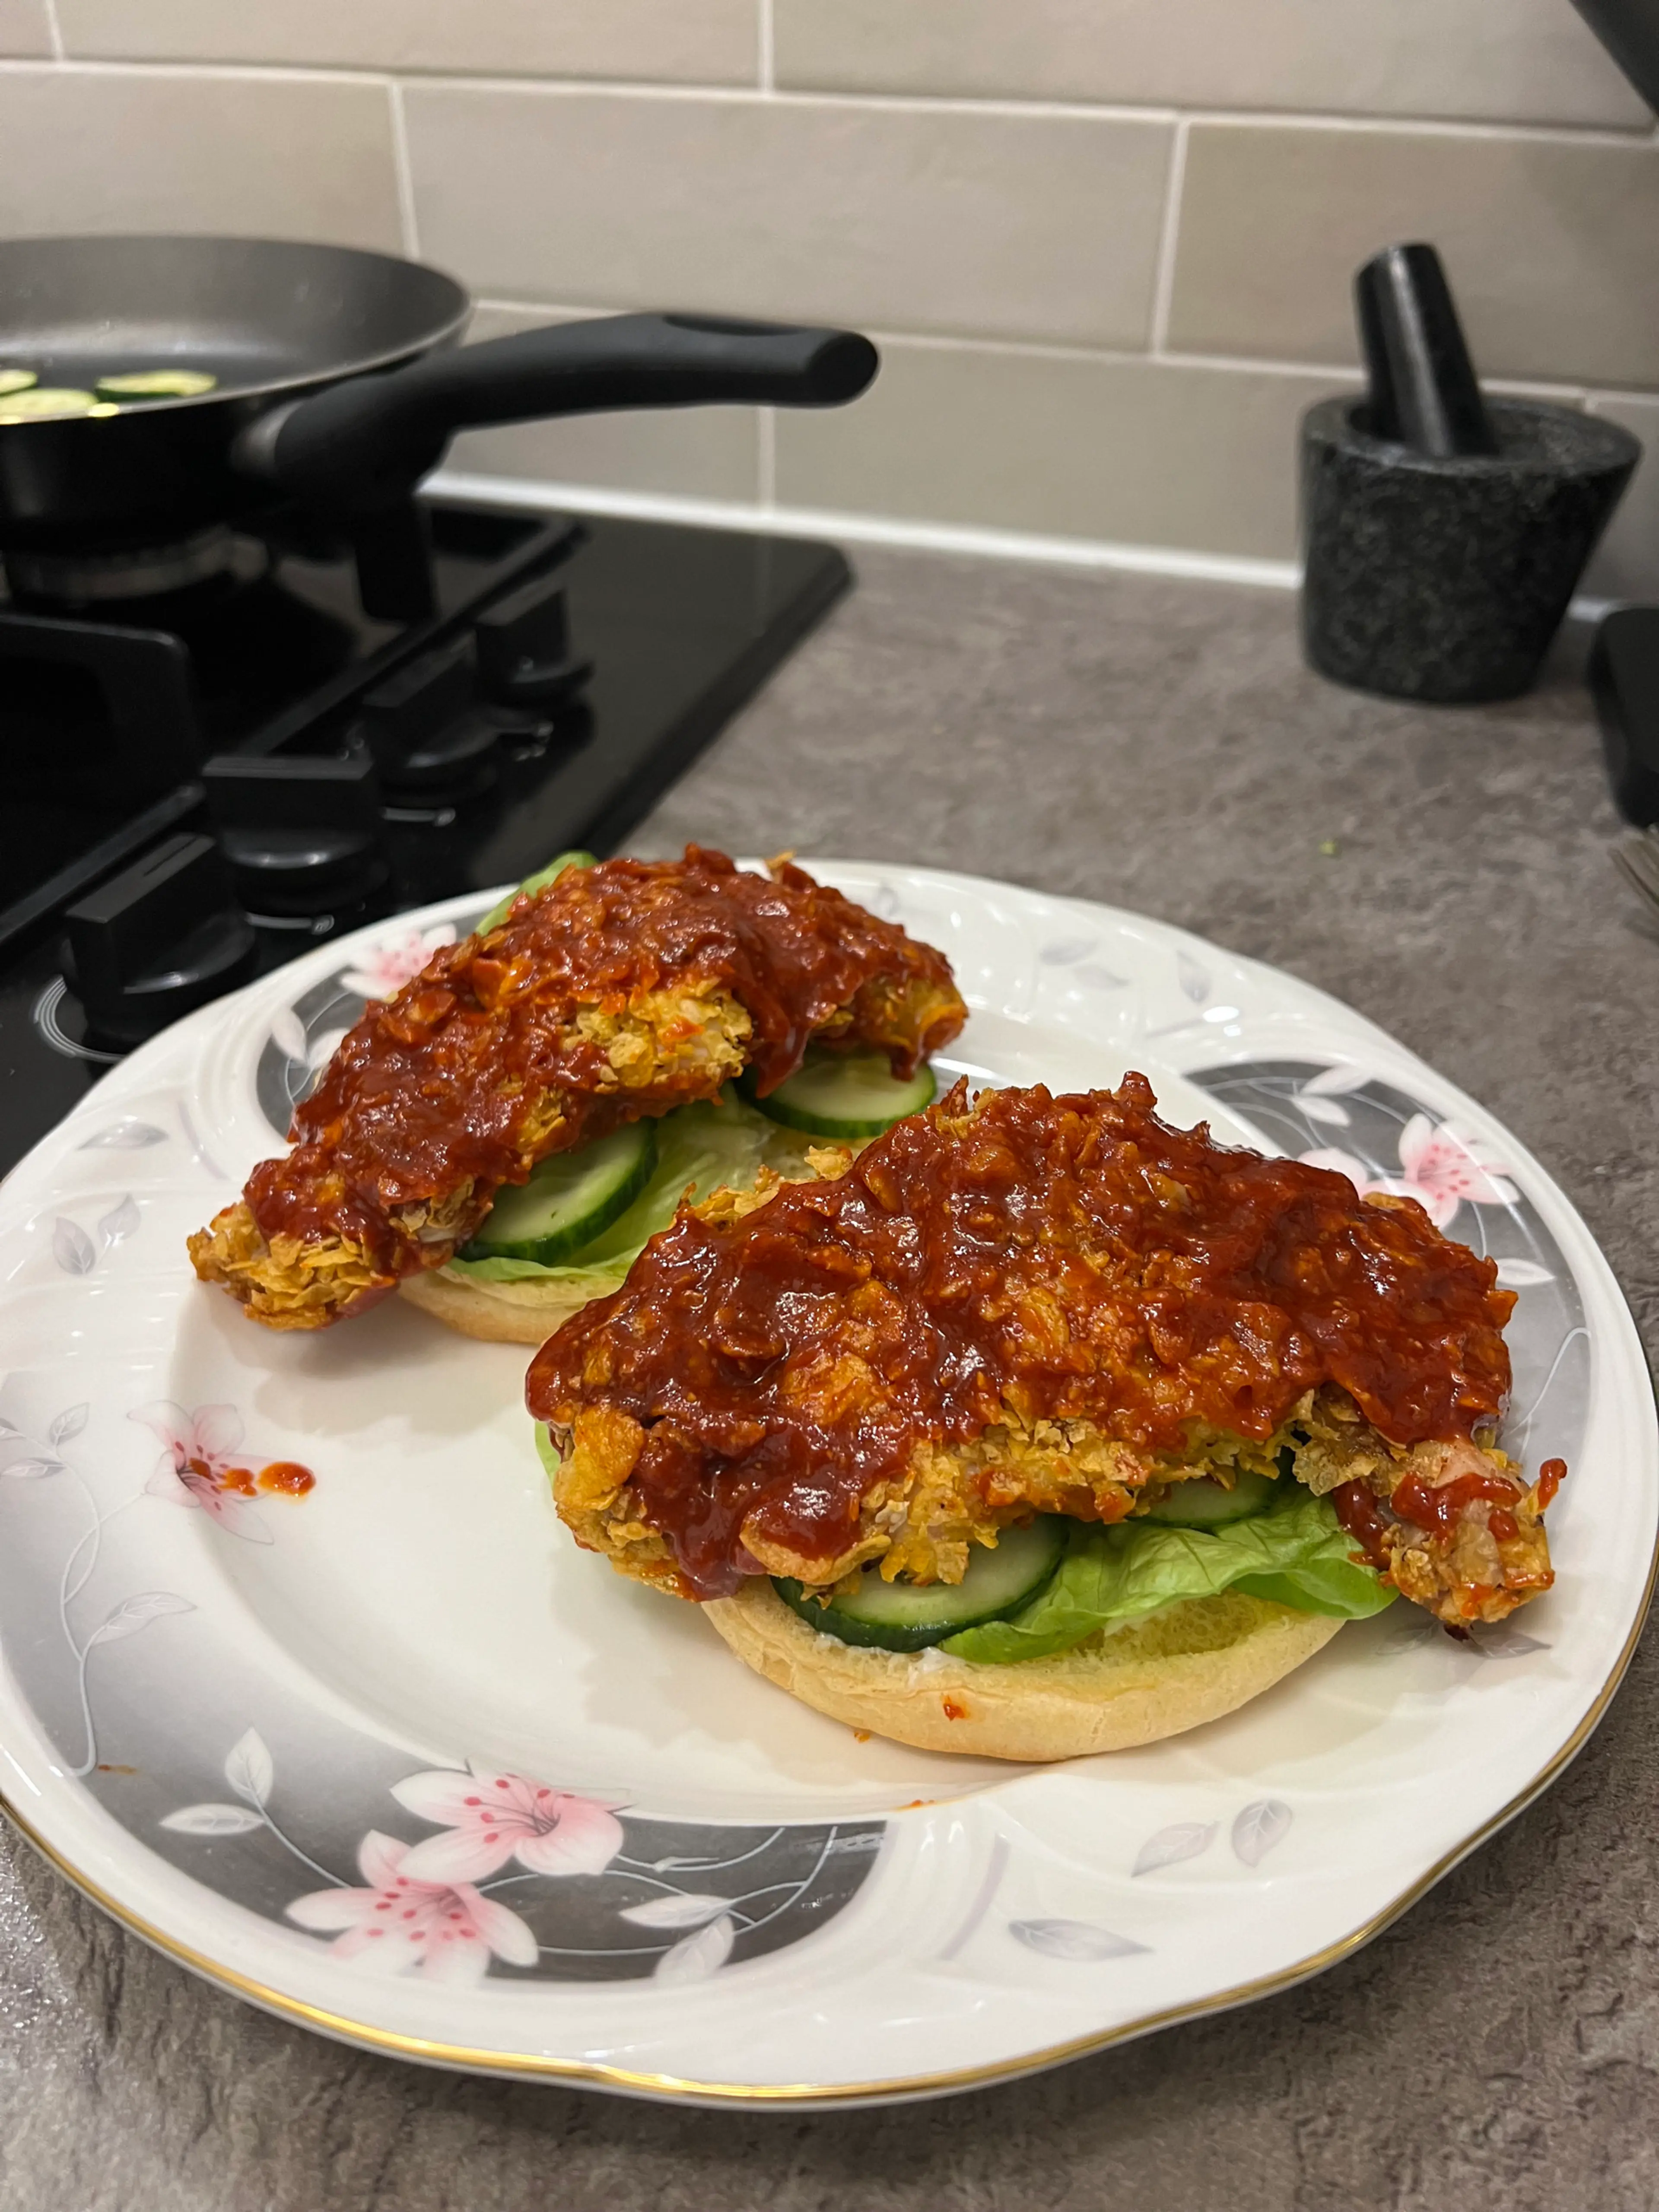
(227, 1792)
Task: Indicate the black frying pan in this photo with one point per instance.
(339, 381)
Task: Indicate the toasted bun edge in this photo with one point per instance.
(1189, 1664)
(489, 1312)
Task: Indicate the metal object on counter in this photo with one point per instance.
(1443, 534)
(330, 378)
(1636, 856)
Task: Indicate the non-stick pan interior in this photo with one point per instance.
(257, 314)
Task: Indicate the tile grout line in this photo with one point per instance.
(1522, 129)
(1169, 238)
(871, 529)
(766, 49)
(402, 172)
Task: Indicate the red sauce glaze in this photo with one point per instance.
(1441, 1508)
(1358, 1510)
(431, 1090)
(1074, 1256)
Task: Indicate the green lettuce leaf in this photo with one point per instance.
(714, 1142)
(538, 882)
(1297, 1553)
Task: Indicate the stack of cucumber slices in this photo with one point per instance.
(573, 1198)
(901, 1616)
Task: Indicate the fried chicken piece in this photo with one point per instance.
(1032, 1304)
(618, 992)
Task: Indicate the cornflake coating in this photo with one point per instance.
(1030, 1304)
(617, 993)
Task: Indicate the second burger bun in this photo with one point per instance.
(1190, 1663)
(501, 1313)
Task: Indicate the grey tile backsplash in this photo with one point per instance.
(1106, 244)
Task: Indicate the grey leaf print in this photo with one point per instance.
(212, 1820)
(69, 1423)
(1185, 1840)
(1067, 951)
(33, 1470)
(124, 1137)
(694, 1957)
(287, 1033)
(678, 1911)
(118, 1222)
(71, 1247)
(1258, 1827)
(250, 1769)
(1193, 979)
(1505, 1643)
(1081, 1941)
(1100, 979)
(137, 1613)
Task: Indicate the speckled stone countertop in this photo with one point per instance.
(1155, 743)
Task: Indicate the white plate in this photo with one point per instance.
(210, 1702)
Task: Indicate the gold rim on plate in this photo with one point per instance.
(678, 2089)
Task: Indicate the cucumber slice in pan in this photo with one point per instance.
(38, 402)
(899, 1616)
(157, 384)
(569, 1199)
(17, 379)
(1199, 1503)
(846, 1094)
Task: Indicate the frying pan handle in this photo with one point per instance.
(372, 435)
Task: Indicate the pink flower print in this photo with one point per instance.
(1440, 1166)
(492, 1818)
(399, 1924)
(384, 969)
(202, 1464)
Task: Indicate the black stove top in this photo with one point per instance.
(196, 785)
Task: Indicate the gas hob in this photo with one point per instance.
(200, 780)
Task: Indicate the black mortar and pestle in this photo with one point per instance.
(1443, 532)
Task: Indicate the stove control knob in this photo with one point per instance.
(524, 648)
(422, 734)
(302, 835)
(156, 941)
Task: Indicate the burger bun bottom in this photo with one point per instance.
(1190, 1663)
(499, 1313)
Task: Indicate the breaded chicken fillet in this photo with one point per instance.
(618, 992)
(1027, 1303)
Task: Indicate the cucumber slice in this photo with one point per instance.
(845, 1094)
(38, 403)
(539, 882)
(157, 384)
(1200, 1502)
(17, 379)
(568, 1201)
(901, 1616)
